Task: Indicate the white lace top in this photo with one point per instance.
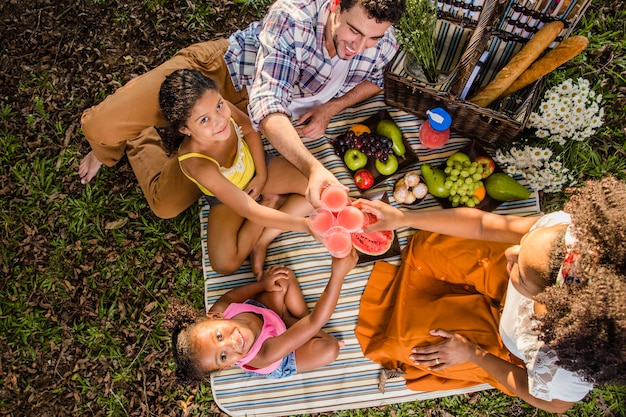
(546, 380)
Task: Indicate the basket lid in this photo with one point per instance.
(439, 118)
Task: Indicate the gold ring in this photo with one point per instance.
(436, 361)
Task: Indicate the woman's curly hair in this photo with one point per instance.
(179, 319)
(382, 10)
(586, 320)
(178, 94)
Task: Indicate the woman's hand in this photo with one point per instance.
(273, 277)
(389, 218)
(454, 349)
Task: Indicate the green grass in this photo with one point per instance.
(97, 246)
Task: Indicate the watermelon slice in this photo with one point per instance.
(374, 243)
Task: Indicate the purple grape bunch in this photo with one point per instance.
(373, 145)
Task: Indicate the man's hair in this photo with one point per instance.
(382, 10)
(585, 321)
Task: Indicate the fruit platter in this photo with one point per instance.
(374, 150)
(376, 245)
(471, 178)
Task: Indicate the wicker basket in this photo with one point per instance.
(501, 31)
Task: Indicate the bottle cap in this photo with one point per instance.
(439, 119)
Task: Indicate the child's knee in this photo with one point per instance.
(225, 266)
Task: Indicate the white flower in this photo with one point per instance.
(535, 165)
(569, 111)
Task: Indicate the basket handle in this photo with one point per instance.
(474, 49)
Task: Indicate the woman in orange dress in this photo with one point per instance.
(531, 305)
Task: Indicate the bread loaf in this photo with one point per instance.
(565, 51)
(518, 64)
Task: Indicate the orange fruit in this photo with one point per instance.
(480, 193)
(360, 129)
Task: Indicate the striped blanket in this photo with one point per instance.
(352, 380)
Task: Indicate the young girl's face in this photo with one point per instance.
(220, 343)
(210, 118)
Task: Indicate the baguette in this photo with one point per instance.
(565, 51)
(518, 64)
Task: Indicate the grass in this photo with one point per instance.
(72, 256)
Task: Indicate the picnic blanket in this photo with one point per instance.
(352, 380)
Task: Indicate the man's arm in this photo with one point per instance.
(280, 132)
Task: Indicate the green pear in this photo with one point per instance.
(502, 187)
(435, 178)
(390, 130)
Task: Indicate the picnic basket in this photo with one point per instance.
(475, 40)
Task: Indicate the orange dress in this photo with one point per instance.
(443, 282)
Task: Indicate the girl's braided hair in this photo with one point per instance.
(178, 94)
(586, 319)
(179, 319)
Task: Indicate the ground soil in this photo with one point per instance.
(71, 54)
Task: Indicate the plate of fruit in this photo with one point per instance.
(410, 189)
(374, 150)
(471, 178)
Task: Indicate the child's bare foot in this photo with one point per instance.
(88, 168)
(257, 259)
(273, 200)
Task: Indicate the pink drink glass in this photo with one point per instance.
(351, 218)
(320, 220)
(338, 242)
(334, 198)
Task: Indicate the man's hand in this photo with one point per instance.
(314, 122)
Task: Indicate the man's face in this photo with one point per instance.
(352, 31)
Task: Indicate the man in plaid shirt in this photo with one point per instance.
(306, 61)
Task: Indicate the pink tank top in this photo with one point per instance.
(273, 325)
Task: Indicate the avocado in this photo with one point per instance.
(435, 178)
(501, 187)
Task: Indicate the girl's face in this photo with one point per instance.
(210, 118)
(352, 31)
(529, 261)
(220, 343)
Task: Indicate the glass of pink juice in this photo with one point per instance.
(351, 218)
(334, 198)
(320, 220)
(338, 242)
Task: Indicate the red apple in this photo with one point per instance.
(363, 179)
(487, 164)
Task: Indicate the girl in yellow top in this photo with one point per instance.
(220, 152)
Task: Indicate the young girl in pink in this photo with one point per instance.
(264, 327)
(222, 154)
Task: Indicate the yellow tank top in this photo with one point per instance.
(239, 173)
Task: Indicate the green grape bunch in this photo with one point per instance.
(463, 178)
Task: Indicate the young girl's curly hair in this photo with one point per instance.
(179, 318)
(178, 94)
(586, 319)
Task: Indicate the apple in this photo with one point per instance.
(487, 164)
(388, 167)
(354, 159)
(363, 179)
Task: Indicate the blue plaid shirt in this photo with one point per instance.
(284, 56)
